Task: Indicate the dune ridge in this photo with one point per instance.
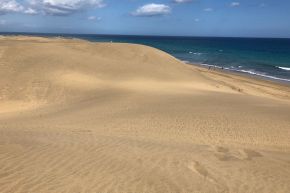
(77, 116)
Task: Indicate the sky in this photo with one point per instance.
(225, 18)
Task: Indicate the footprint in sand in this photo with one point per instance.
(222, 149)
(224, 154)
(250, 154)
(198, 168)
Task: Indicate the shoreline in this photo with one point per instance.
(250, 77)
(240, 74)
(248, 84)
(248, 73)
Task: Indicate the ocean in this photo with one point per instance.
(268, 58)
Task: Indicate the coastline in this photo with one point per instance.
(215, 70)
(241, 74)
(249, 74)
(274, 70)
(237, 81)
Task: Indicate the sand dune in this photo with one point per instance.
(89, 117)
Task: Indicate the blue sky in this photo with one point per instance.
(234, 18)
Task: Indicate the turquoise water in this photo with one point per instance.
(268, 58)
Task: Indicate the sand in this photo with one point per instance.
(89, 117)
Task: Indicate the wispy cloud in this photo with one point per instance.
(152, 10)
(208, 9)
(30, 11)
(49, 7)
(94, 18)
(8, 6)
(235, 4)
(64, 7)
(182, 1)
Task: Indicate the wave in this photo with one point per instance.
(264, 75)
(214, 66)
(284, 68)
(195, 53)
(185, 61)
(251, 72)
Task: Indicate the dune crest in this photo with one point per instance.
(77, 116)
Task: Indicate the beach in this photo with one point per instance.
(78, 116)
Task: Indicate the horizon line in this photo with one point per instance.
(143, 35)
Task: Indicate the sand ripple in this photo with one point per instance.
(79, 117)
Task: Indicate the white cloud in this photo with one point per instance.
(182, 1)
(94, 18)
(50, 7)
(208, 9)
(64, 7)
(235, 4)
(30, 11)
(196, 19)
(8, 6)
(152, 10)
(91, 17)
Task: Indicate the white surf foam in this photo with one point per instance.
(195, 53)
(263, 75)
(252, 72)
(185, 61)
(284, 68)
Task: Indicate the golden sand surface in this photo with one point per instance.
(83, 117)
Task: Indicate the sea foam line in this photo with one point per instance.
(263, 75)
(284, 68)
(249, 72)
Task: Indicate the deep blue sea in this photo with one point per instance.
(267, 58)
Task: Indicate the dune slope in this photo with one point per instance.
(87, 117)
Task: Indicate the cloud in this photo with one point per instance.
(49, 7)
(10, 6)
(152, 10)
(64, 7)
(30, 11)
(196, 19)
(182, 1)
(94, 18)
(208, 9)
(235, 4)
